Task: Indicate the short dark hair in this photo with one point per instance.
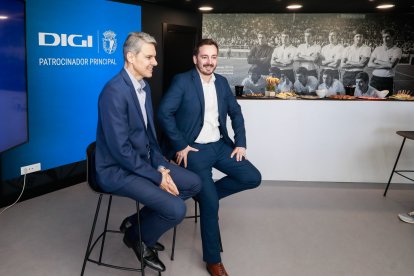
(202, 42)
(302, 71)
(333, 31)
(310, 31)
(328, 72)
(254, 69)
(389, 31)
(363, 76)
(359, 31)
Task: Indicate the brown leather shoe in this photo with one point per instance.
(216, 269)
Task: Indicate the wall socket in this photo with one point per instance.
(30, 169)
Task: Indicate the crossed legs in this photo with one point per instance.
(162, 210)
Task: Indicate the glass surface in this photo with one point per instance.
(13, 92)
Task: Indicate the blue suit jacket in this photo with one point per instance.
(181, 111)
(122, 140)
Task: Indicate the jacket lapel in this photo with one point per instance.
(220, 96)
(199, 89)
(148, 107)
(133, 94)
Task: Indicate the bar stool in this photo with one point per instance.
(405, 135)
(195, 217)
(91, 180)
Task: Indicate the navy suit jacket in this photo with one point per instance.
(122, 140)
(181, 112)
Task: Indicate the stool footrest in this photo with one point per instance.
(114, 266)
(399, 172)
(405, 134)
(106, 264)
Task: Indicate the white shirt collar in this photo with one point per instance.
(138, 84)
(212, 80)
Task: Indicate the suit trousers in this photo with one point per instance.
(162, 210)
(239, 176)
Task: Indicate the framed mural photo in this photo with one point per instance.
(357, 55)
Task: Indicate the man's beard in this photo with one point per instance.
(208, 66)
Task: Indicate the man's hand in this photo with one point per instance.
(167, 184)
(182, 155)
(240, 152)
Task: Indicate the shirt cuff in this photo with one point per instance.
(160, 167)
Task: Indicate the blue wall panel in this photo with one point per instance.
(73, 48)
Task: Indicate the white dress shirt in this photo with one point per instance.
(210, 131)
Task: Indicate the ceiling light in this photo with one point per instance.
(385, 6)
(3, 17)
(205, 8)
(294, 7)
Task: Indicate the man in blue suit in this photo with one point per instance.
(128, 158)
(193, 116)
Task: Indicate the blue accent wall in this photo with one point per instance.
(73, 48)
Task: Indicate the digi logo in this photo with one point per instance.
(64, 40)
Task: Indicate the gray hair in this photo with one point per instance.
(133, 43)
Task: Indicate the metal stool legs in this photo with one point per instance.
(87, 253)
(102, 238)
(405, 135)
(393, 169)
(399, 172)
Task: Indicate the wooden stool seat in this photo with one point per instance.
(406, 134)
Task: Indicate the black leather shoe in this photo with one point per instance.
(157, 247)
(127, 224)
(150, 257)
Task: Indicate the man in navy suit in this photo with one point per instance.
(193, 116)
(128, 158)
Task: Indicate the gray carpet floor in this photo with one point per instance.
(281, 228)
